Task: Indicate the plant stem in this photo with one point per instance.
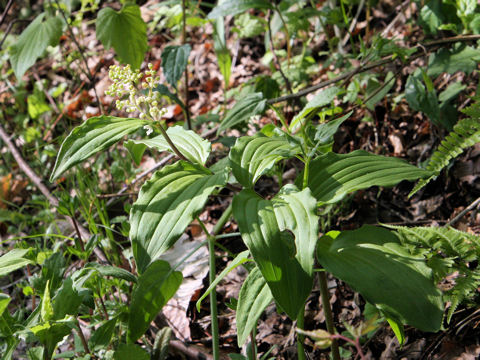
(328, 312)
(253, 342)
(82, 338)
(300, 338)
(213, 299)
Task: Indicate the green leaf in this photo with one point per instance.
(273, 250)
(323, 98)
(244, 109)
(136, 151)
(113, 271)
(155, 287)
(50, 334)
(46, 311)
(234, 7)
(372, 261)
(239, 260)
(387, 85)
(13, 260)
(190, 144)
(130, 352)
(254, 297)
(332, 176)
(252, 156)
(325, 131)
(33, 42)
(397, 330)
(4, 301)
(163, 90)
(102, 335)
(221, 51)
(94, 135)
(460, 58)
(174, 62)
(67, 301)
(125, 31)
(296, 211)
(166, 205)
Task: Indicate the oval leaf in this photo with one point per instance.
(252, 156)
(373, 263)
(174, 62)
(94, 135)
(125, 31)
(254, 297)
(33, 42)
(190, 144)
(244, 109)
(155, 287)
(273, 251)
(166, 205)
(332, 176)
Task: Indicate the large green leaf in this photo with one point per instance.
(296, 211)
(332, 176)
(155, 287)
(274, 250)
(254, 297)
(252, 156)
(244, 109)
(372, 261)
(33, 42)
(13, 260)
(234, 7)
(190, 144)
(125, 31)
(320, 100)
(174, 62)
(460, 58)
(130, 352)
(94, 135)
(166, 205)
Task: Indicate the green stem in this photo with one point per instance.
(300, 338)
(305, 173)
(253, 336)
(223, 220)
(213, 300)
(328, 312)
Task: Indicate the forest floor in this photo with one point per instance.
(390, 128)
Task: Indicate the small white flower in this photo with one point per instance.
(149, 129)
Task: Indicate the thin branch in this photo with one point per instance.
(5, 12)
(375, 64)
(462, 213)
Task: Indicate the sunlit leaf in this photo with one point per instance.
(166, 205)
(94, 135)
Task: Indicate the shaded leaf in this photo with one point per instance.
(174, 62)
(166, 205)
(94, 135)
(460, 58)
(113, 271)
(372, 261)
(102, 335)
(125, 31)
(254, 297)
(244, 109)
(155, 287)
(33, 42)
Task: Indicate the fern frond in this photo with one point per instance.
(465, 133)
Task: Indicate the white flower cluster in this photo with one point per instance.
(126, 84)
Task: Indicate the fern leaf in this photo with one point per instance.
(465, 133)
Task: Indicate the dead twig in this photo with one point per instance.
(462, 213)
